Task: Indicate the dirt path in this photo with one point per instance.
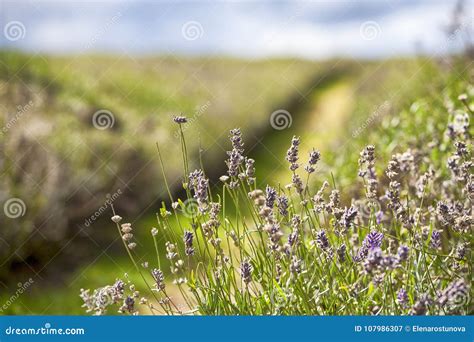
(320, 122)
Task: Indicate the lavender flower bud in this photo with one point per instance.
(402, 253)
(322, 240)
(348, 217)
(250, 170)
(421, 306)
(292, 154)
(341, 253)
(374, 259)
(199, 184)
(128, 305)
(246, 270)
(373, 239)
(297, 183)
(402, 298)
(188, 243)
(314, 157)
(296, 265)
(435, 241)
(159, 279)
(180, 119)
(283, 205)
(236, 140)
(270, 197)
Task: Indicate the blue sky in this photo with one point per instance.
(309, 29)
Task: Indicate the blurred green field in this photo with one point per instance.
(55, 146)
(50, 141)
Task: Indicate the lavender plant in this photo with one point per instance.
(297, 250)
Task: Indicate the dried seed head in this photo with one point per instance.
(116, 218)
(127, 237)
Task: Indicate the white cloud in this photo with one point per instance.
(310, 29)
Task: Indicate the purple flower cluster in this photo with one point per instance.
(188, 243)
(236, 158)
(314, 157)
(246, 270)
(270, 196)
(199, 184)
(322, 240)
(371, 241)
(348, 217)
(292, 154)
